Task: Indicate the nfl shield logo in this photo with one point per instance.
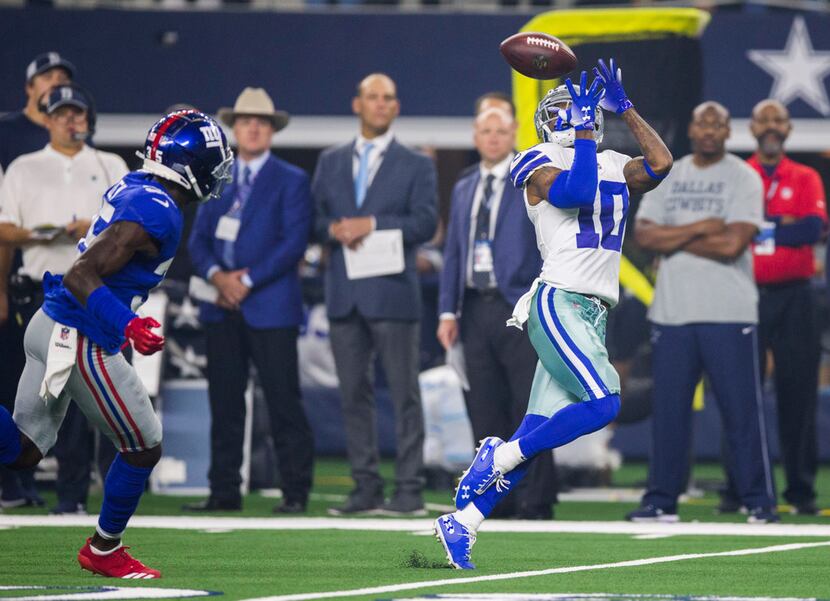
(64, 333)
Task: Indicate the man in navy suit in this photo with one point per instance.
(375, 183)
(248, 243)
(490, 260)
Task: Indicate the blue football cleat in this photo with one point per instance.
(481, 474)
(457, 541)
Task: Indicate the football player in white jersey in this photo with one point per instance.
(578, 200)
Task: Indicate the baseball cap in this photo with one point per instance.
(44, 62)
(66, 95)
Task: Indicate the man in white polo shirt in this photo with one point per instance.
(47, 200)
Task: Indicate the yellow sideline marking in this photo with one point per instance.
(392, 588)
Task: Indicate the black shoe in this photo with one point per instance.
(404, 505)
(292, 506)
(214, 504)
(804, 508)
(68, 508)
(763, 515)
(360, 500)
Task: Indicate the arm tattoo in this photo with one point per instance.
(539, 184)
(654, 151)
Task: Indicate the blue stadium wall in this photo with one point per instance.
(142, 62)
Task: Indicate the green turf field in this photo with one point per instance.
(246, 560)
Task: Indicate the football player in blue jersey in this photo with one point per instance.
(72, 344)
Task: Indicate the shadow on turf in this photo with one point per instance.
(416, 559)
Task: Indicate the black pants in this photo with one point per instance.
(789, 329)
(501, 362)
(231, 345)
(12, 360)
(76, 453)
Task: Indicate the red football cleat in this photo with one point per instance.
(118, 564)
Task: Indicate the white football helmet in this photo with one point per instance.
(547, 116)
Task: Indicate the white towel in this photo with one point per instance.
(60, 360)
(521, 312)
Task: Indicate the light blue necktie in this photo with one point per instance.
(243, 191)
(362, 175)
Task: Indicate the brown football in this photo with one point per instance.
(538, 55)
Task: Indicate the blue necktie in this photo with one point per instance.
(243, 191)
(360, 184)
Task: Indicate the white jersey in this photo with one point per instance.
(580, 247)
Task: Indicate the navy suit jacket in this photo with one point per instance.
(516, 258)
(403, 195)
(275, 227)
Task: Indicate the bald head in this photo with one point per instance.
(374, 80)
(771, 126)
(711, 106)
(770, 105)
(376, 104)
(708, 132)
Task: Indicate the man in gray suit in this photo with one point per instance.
(375, 183)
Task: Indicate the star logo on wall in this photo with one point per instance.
(189, 363)
(185, 315)
(798, 71)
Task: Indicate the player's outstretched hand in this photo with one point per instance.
(582, 113)
(615, 97)
(144, 341)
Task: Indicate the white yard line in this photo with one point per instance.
(408, 586)
(415, 525)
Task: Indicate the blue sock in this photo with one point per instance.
(123, 488)
(9, 438)
(487, 502)
(570, 423)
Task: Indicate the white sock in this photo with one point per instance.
(507, 456)
(469, 517)
(96, 551)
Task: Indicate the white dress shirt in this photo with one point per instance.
(255, 165)
(500, 171)
(380, 144)
(49, 188)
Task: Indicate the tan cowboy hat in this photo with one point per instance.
(254, 101)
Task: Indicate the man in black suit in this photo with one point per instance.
(373, 183)
(490, 260)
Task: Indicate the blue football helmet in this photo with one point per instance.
(189, 148)
(551, 128)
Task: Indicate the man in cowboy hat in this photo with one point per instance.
(247, 244)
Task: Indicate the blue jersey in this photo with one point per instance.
(135, 198)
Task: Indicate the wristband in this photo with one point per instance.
(104, 306)
(651, 173)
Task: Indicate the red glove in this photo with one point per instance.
(144, 341)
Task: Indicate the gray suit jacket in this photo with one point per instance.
(403, 195)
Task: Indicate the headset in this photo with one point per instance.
(91, 121)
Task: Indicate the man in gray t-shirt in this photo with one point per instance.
(701, 221)
(706, 288)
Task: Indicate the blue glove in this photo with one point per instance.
(583, 110)
(615, 98)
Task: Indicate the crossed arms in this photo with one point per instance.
(710, 238)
